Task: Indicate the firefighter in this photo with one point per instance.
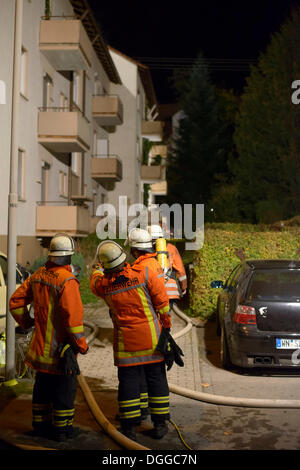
(141, 249)
(57, 338)
(134, 294)
(176, 280)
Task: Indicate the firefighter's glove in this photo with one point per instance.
(170, 349)
(98, 269)
(68, 364)
(176, 351)
(164, 347)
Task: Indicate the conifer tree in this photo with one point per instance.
(198, 153)
(267, 171)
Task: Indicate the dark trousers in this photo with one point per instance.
(53, 401)
(129, 394)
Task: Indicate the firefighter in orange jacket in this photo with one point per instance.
(141, 249)
(134, 294)
(57, 337)
(176, 280)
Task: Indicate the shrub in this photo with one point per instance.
(217, 258)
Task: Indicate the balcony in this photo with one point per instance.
(153, 173)
(52, 219)
(65, 44)
(153, 130)
(159, 189)
(106, 168)
(107, 110)
(61, 130)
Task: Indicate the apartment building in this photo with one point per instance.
(140, 113)
(66, 117)
(84, 111)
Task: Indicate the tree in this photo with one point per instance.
(267, 170)
(197, 153)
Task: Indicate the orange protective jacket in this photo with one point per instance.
(177, 267)
(134, 297)
(58, 315)
(150, 260)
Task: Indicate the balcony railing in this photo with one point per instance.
(106, 168)
(65, 43)
(54, 216)
(63, 130)
(107, 110)
(153, 173)
(153, 130)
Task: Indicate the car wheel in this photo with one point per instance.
(224, 351)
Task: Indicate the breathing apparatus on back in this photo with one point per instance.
(160, 245)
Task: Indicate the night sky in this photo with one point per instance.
(230, 34)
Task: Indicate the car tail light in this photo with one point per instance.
(245, 315)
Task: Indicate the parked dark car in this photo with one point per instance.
(258, 314)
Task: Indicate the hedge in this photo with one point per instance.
(216, 259)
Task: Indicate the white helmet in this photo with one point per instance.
(155, 232)
(61, 245)
(110, 254)
(140, 239)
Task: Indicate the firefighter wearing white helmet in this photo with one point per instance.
(139, 308)
(61, 245)
(140, 243)
(110, 255)
(170, 259)
(140, 239)
(58, 320)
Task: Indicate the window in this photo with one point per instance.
(275, 285)
(76, 157)
(21, 175)
(44, 181)
(47, 91)
(102, 148)
(4, 268)
(63, 184)
(24, 72)
(98, 89)
(76, 93)
(138, 101)
(64, 103)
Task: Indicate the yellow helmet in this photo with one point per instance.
(110, 254)
(61, 245)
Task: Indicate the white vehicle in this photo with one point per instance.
(3, 284)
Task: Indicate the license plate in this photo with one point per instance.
(282, 343)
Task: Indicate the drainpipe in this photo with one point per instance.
(13, 194)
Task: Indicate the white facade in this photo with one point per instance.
(41, 175)
(126, 142)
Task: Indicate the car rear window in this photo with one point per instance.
(275, 284)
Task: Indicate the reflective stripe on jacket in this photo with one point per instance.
(58, 315)
(134, 297)
(177, 266)
(151, 262)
